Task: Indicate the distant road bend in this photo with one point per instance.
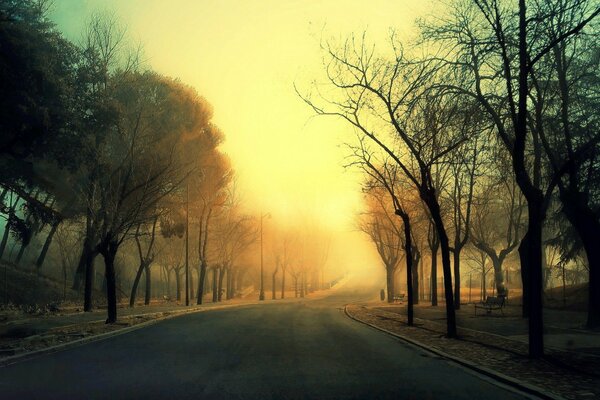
(276, 350)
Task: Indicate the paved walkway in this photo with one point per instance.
(35, 325)
(564, 330)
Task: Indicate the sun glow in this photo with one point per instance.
(245, 57)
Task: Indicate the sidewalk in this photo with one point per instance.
(495, 346)
(563, 330)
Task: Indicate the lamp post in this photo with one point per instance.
(261, 296)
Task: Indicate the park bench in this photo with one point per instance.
(398, 297)
(492, 303)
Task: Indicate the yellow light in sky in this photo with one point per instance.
(244, 57)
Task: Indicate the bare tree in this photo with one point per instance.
(565, 122)
(383, 180)
(146, 258)
(497, 220)
(285, 252)
(235, 233)
(383, 99)
(479, 36)
(274, 275)
(210, 185)
(463, 170)
(385, 232)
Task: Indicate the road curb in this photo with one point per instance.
(504, 379)
(94, 338)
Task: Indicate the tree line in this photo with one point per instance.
(102, 158)
(481, 132)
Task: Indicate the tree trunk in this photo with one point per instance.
(10, 216)
(207, 284)
(408, 248)
(222, 273)
(109, 253)
(498, 275)
(585, 222)
(434, 256)
(192, 285)
(546, 271)
(64, 271)
(389, 273)
(273, 287)
(421, 282)
(178, 285)
(228, 284)
(444, 244)
(525, 278)
(21, 252)
(533, 251)
(42, 257)
(168, 278)
(201, 280)
(415, 276)
(305, 282)
(89, 279)
(214, 285)
(456, 265)
(283, 283)
(483, 282)
(136, 282)
(79, 272)
(295, 286)
(6, 232)
(148, 274)
(234, 278)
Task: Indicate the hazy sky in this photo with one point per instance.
(244, 57)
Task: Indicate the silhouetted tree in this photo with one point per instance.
(391, 91)
(485, 33)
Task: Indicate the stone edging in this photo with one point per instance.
(502, 378)
(93, 338)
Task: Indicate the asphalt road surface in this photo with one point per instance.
(276, 350)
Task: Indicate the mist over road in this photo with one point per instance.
(277, 350)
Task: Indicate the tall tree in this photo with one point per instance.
(139, 160)
(488, 33)
(146, 258)
(498, 210)
(463, 169)
(378, 95)
(385, 231)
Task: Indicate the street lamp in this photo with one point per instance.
(262, 280)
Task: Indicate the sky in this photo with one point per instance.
(244, 57)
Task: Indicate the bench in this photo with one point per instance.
(398, 297)
(492, 303)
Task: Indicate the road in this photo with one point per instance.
(276, 350)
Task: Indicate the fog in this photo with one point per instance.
(271, 176)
